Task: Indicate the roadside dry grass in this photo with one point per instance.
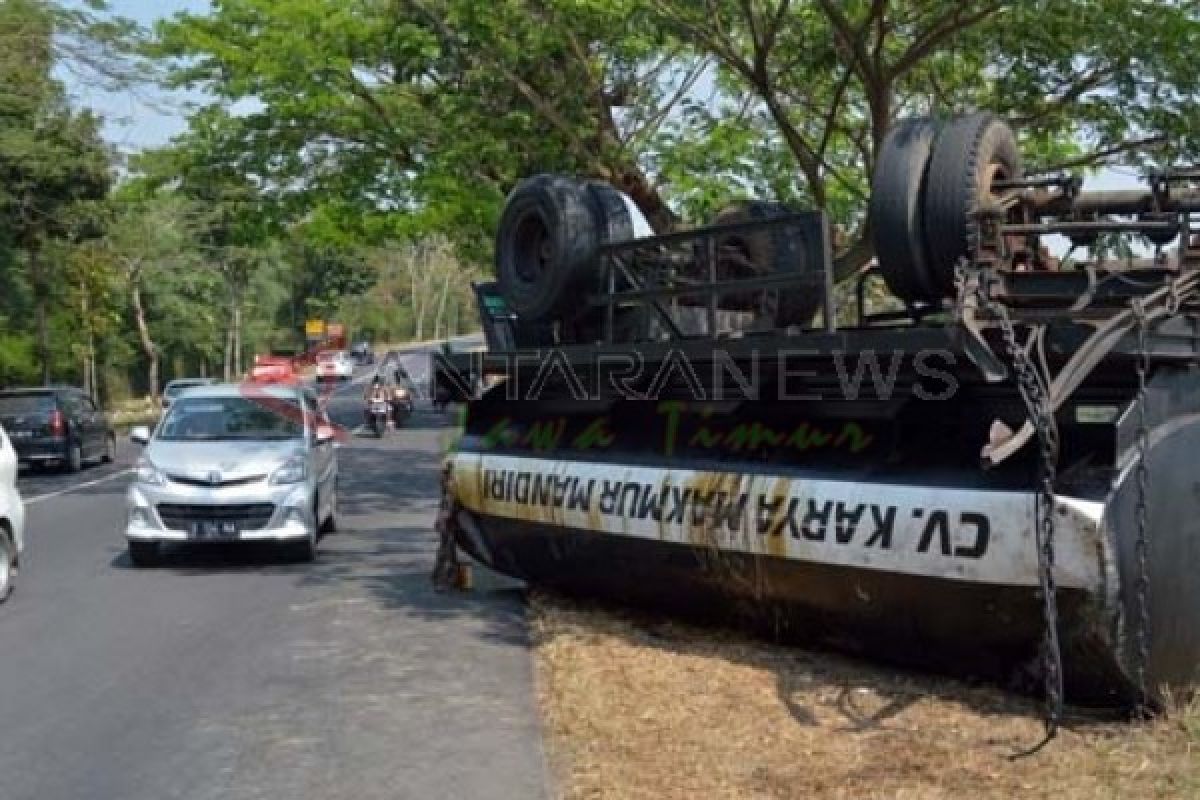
(636, 707)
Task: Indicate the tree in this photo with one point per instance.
(148, 235)
(433, 108)
(1083, 81)
(52, 159)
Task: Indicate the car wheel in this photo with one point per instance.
(330, 524)
(8, 565)
(144, 554)
(74, 459)
(304, 552)
(110, 449)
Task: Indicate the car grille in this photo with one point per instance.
(248, 516)
(187, 481)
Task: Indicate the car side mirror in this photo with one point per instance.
(139, 434)
(325, 434)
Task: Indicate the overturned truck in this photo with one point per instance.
(994, 473)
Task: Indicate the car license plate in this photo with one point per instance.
(214, 529)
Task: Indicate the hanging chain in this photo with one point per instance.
(1142, 547)
(1032, 388)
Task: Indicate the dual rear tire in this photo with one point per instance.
(932, 179)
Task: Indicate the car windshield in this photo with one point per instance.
(226, 418)
(26, 403)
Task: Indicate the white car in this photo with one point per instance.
(12, 518)
(235, 463)
(335, 365)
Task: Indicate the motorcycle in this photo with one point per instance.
(402, 405)
(378, 412)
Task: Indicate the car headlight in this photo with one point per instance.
(293, 470)
(400, 393)
(147, 473)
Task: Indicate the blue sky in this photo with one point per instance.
(135, 120)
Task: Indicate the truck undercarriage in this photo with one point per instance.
(995, 473)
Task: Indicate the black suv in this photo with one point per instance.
(56, 424)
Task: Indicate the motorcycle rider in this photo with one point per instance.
(376, 393)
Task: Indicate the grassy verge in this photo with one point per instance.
(636, 707)
(140, 411)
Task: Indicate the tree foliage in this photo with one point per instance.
(355, 154)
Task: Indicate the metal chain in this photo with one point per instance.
(1033, 392)
(1142, 547)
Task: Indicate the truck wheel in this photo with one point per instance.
(773, 251)
(970, 154)
(546, 246)
(613, 224)
(896, 215)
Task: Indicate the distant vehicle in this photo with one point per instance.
(58, 425)
(175, 387)
(272, 369)
(334, 365)
(12, 519)
(235, 464)
(363, 355)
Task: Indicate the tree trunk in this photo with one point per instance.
(648, 200)
(37, 280)
(227, 363)
(237, 336)
(417, 307)
(143, 330)
(441, 312)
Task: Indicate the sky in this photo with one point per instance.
(143, 118)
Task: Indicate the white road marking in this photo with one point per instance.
(51, 495)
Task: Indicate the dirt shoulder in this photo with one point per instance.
(637, 707)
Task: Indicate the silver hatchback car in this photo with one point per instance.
(235, 463)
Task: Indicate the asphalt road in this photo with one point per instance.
(227, 674)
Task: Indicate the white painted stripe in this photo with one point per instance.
(958, 534)
(51, 495)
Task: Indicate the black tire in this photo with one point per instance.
(73, 460)
(546, 247)
(775, 250)
(330, 524)
(896, 209)
(8, 564)
(970, 152)
(110, 449)
(144, 554)
(613, 224)
(302, 552)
